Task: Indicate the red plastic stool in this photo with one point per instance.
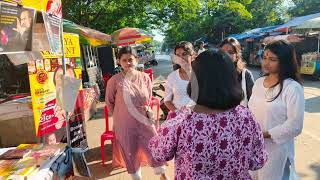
(107, 135)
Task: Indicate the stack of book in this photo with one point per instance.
(26, 159)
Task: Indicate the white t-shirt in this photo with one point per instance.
(201, 50)
(176, 90)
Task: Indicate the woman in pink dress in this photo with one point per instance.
(127, 96)
(218, 138)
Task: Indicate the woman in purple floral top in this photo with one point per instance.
(218, 138)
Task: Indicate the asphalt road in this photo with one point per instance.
(307, 144)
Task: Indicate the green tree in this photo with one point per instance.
(219, 19)
(178, 19)
(304, 7)
(110, 15)
(265, 13)
(213, 19)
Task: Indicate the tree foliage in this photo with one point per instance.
(110, 15)
(178, 19)
(218, 19)
(304, 7)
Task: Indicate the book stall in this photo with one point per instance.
(93, 63)
(42, 126)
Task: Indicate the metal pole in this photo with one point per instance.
(64, 72)
(319, 43)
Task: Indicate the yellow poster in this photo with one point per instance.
(40, 5)
(44, 76)
(71, 47)
(308, 63)
(308, 68)
(53, 7)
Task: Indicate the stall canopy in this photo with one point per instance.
(254, 33)
(289, 37)
(297, 21)
(87, 35)
(127, 36)
(309, 24)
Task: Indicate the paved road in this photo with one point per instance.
(307, 144)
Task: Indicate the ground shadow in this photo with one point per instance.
(93, 157)
(95, 154)
(316, 167)
(98, 115)
(312, 105)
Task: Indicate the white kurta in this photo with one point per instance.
(283, 119)
(244, 102)
(176, 90)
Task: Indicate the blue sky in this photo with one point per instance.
(158, 36)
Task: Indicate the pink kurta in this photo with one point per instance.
(125, 98)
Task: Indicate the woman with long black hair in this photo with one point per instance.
(277, 101)
(245, 77)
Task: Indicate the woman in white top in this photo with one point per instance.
(233, 48)
(277, 101)
(176, 94)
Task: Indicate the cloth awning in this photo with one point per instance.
(87, 36)
(298, 21)
(309, 24)
(254, 33)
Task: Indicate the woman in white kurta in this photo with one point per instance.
(277, 101)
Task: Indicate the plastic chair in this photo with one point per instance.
(107, 135)
(149, 71)
(154, 100)
(106, 78)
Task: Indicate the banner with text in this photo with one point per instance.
(45, 76)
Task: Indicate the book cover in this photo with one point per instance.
(22, 151)
(15, 154)
(27, 166)
(49, 151)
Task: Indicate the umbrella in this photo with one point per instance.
(309, 24)
(87, 35)
(127, 36)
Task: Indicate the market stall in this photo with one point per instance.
(251, 43)
(310, 63)
(45, 126)
(93, 61)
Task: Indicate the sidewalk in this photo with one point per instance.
(95, 127)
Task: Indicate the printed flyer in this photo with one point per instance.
(16, 24)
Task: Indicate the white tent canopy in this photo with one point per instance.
(309, 24)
